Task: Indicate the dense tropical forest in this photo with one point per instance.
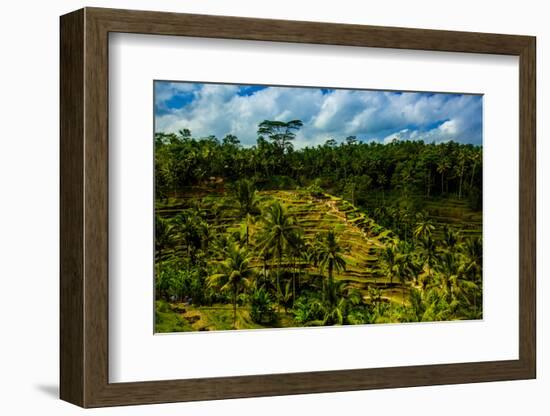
(346, 232)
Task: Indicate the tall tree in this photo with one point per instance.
(429, 252)
(475, 160)
(404, 266)
(331, 259)
(473, 252)
(443, 166)
(279, 232)
(193, 230)
(248, 202)
(461, 157)
(452, 281)
(280, 133)
(234, 274)
(389, 258)
(164, 235)
(351, 140)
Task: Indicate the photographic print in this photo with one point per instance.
(288, 206)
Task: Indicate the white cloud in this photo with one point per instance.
(449, 127)
(404, 134)
(166, 90)
(219, 110)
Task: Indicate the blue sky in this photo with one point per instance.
(220, 109)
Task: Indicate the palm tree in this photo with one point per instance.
(429, 251)
(330, 258)
(417, 305)
(279, 233)
(336, 312)
(234, 274)
(402, 270)
(389, 259)
(453, 283)
(344, 299)
(462, 156)
(164, 235)
(451, 238)
(475, 159)
(285, 294)
(473, 249)
(414, 265)
(424, 228)
(265, 256)
(247, 201)
(443, 165)
(375, 296)
(193, 229)
(308, 256)
(473, 252)
(446, 275)
(295, 251)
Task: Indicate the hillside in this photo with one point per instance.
(361, 238)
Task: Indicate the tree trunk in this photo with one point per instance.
(293, 288)
(246, 229)
(265, 271)
(279, 280)
(472, 177)
(330, 283)
(460, 181)
(234, 307)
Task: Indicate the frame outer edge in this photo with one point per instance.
(72, 341)
(84, 201)
(528, 211)
(96, 209)
(300, 31)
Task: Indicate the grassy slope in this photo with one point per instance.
(442, 210)
(178, 317)
(314, 216)
(455, 212)
(354, 230)
(351, 227)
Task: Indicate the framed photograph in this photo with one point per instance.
(255, 207)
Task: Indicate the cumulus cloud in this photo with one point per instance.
(219, 109)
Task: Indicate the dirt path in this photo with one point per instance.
(333, 208)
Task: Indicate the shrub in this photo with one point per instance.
(315, 189)
(261, 307)
(308, 309)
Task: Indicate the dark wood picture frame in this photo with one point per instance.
(84, 207)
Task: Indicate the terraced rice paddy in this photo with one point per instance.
(455, 213)
(361, 238)
(353, 228)
(443, 211)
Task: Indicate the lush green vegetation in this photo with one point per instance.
(351, 233)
